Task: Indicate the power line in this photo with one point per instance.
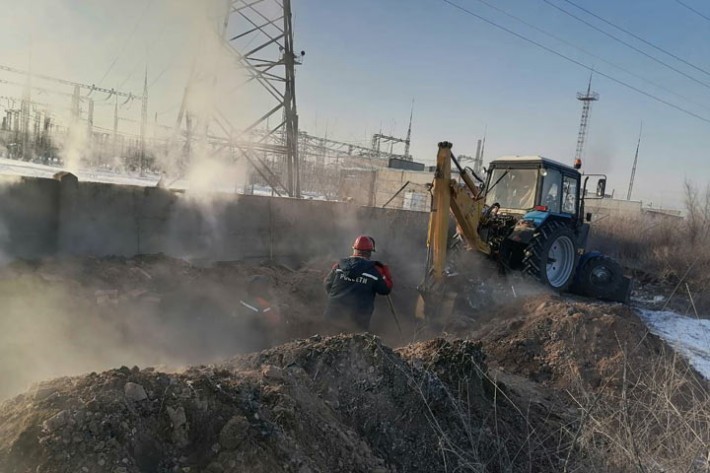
(693, 10)
(127, 40)
(585, 51)
(628, 45)
(578, 63)
(91, 88)
(654, 46)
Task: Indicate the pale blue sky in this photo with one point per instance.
(366, 60)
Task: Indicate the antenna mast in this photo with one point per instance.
(586, 99)
(633, 169)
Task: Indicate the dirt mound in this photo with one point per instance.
(564, 342)
(345, 403)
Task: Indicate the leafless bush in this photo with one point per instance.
(664, 249)
(658, 420)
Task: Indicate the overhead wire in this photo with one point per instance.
(628, 45)
(128, 39)
(578, 63)
(693, 10)
(654, 46)
(585, 51)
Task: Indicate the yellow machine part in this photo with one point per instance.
(464, 202)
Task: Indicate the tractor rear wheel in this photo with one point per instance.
(600, 277)
(551, 256)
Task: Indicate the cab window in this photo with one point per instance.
(513, 188)
(551, 189)
(569, 195)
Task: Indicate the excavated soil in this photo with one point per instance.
(563, 342)
(346, 403)
(494, 394)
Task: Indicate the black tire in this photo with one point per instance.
(557, 273)
(601, 278)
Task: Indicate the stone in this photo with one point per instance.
(272, 372)
(177, 416)
(56, 422)
(233, 432)
(134, 392)
(180, 427)
(43, 393)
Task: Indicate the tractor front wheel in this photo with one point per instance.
(551, 255)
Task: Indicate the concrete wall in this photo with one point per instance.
(602, 208)
(612, 207)
(415, 196)
(43, 217)
(29, 216)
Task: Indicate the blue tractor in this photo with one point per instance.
(534, 220)
(527, 214)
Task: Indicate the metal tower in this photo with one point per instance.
(378, 139)
(586, 98)
(260, 34)
(633, 169)
(409, 134)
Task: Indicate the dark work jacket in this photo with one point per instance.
(352, 285)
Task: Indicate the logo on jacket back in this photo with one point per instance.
(362, 279)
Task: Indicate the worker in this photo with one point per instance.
(353, 283)
(257, 312)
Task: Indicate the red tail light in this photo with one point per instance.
(541, 208)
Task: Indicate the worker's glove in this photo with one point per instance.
(385, 272)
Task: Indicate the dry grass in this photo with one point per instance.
(658, 422)
(664, 250)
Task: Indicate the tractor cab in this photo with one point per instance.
(520, 184)
(532, 217)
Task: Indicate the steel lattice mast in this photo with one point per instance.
(260, 34)
(586, 98)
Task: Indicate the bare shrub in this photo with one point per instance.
(664, 249)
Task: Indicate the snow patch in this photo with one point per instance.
(12, 168)
(687, 335)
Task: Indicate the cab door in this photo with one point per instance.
(570, 195)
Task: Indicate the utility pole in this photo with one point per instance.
(76, 105)
(115, 127)
(409, 134)
(144, 119)
(90, 124)
(25, 120)
(478, 159)
(586, 99)
(633, 169)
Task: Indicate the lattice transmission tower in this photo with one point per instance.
(586, 98)
(258, 34)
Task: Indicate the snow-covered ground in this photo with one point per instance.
(689, 336)
(21, 168)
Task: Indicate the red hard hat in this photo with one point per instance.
(364, 243)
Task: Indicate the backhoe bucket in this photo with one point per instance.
(435, 304)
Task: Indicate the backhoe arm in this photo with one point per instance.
(466, 206)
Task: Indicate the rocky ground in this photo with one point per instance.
(547, 384)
